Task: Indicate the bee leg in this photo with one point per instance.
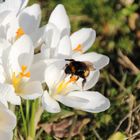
(83, 82)
(71, 76)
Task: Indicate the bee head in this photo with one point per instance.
(68, 69)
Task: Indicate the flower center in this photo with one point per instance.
(20, 32)
(78, 49)
(16, 79)
(64, 84)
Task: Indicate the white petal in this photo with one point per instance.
(72, 101)
(64, 49)
(4, 101)
(50, 104)
(99, 61)
(84, 37)
(53, 74)
(3, 44)
(87, 101)
(92, 79)
(29, 18)
(32, 90)
(2, 32)
(3, 59)
(3, 15)
(23, 48)
(8, 17)
(60, 19)
(7, 119)
(11, 5)
(37, 36)
(51, 36)
(4, 135)
(13, 98)
(38, 71)
(24, 3)
(12, 30)
(8, 94)
(44, 55)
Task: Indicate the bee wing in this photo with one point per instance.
(90, 65)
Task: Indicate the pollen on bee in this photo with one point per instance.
(19, 33)
(78, 48)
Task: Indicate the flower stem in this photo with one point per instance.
(24, 120)
(32, 127)
(27, 112)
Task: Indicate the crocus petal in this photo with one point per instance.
(64, 48)
(9, 5)
(72, 101)
(38, 71)
(24, 3)
(7, 119)
(99, 61)
(53, 74)
(51, 35)
(4, 101)
(84, 37)
(2, 32)
(23, 48)
(3, 15)
(3, 59)
(9, 16)
(37, 36)
(50, 104)
(8, 94)
(32, 90)
(12, 30)
(29, 18)
(92, 79)
(5, 135)
(13, 98)
(44, 55)
(89, 101)
(60, 19)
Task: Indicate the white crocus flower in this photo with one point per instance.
(59, 44)
(7, 123)
(26, 21)
(16, 71)
(81, 40)
(67, 90)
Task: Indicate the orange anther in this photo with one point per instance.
(78, 48)
(19, 33)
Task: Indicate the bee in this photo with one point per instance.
(79, 69)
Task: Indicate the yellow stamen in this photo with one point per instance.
(64, 84)
(78, 48)
(19, 33)
(16, 79)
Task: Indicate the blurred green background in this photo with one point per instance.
(117, 24)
